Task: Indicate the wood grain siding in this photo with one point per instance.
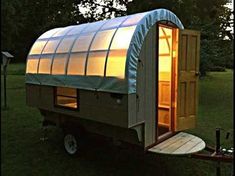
(32, 95)
(183, 59)
(47, 97)
(187, 96)
(182, 95)
(164, 93)
(146, 87)
(180, 144)
(192, 97)
(95, 106)
(132, 110)
(193, 47)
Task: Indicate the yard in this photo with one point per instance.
(23, 153)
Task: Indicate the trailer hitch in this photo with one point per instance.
(216, 153)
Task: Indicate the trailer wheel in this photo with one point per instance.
(71, 144)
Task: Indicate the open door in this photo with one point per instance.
(187, 79)
(183, 97)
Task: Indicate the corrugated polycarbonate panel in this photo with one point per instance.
(76, 65)
(62, 31)
(101, 55)
(133, 19)
(102, 40)
(32, 64)
(45, 64)
(93, 27)
(96, 63)
(77, 29)
(59, 62)
(122, 38)
(65, 45)
(116, 64)
(113, 23)
(51, 46)
(83, 42)
(37, 47)
(49, 33)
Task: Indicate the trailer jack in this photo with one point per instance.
(216, 153)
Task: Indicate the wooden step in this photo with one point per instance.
(180, 144)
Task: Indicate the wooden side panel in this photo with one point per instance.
(132, 108)
(47, 97)
(32, 95)
(96, 106)
(146, 87)
(188, 66)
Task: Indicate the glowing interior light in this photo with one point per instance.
(174, 54)
(37, 47)
(116, 64)
(66, 97)
(51, 46)
(45, 64)
(76, 64)
(32, 64)
(58, 67)
(96, 63)
(165, 41)
(165, 53)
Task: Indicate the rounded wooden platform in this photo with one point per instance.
(180, 144)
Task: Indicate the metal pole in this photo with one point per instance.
(218, 171)
(217, 151)
(5, 89)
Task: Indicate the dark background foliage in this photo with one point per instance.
(24, 21)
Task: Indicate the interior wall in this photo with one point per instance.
(164, 79)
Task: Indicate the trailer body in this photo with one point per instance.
(133, 78)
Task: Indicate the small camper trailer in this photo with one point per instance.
(133, 78)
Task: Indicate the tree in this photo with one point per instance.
(211, 17)
(24, 21)
(94, 10)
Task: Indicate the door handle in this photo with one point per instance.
(197, 73)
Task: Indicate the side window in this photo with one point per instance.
(66, 97)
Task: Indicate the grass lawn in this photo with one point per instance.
(24, 154)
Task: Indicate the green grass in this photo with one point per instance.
(16, 69)
(24, 154)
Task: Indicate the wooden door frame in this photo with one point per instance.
(171, 130)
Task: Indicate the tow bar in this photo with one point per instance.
(217, 153)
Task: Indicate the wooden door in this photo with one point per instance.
(187, 82)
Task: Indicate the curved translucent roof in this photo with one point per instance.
(101, 55)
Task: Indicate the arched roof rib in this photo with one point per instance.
(99, 56)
